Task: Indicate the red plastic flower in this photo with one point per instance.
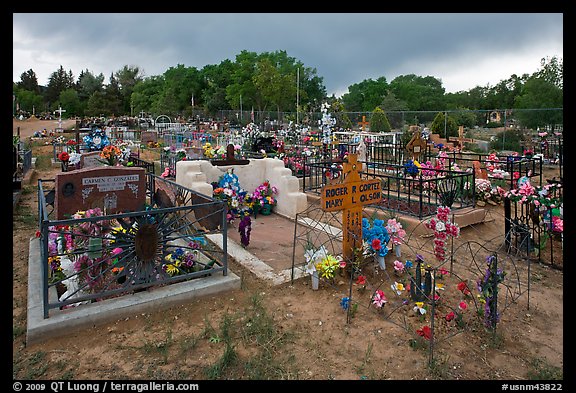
(361, 280)
(64, 156)
(450, 316)
(376, 244)
(425, 332)
(463, 287)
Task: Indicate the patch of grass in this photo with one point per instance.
(25, 216)
(161, 348)
(360, 370)
(439, 368)
(256, 330)
(44, 162)
(17, 331)
(36, 365)
(229, 356)
(542, 370)
(188, 343)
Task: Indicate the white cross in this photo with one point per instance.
(60, 110)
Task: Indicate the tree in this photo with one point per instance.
(507, 140)
(366, 95)
(342, 119)
(544, 89)
(70, 101)
(379, 122)
(59, 81)
(146, 93)
(127, 79)
(29, 81)
(419, 93)
(444, 126)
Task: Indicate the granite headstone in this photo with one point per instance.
(113, 189)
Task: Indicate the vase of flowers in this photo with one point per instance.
(263, 196)
(64, 158)
(314, 256)
(375, 237)
(397, 234)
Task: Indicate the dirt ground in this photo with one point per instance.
(290, 332)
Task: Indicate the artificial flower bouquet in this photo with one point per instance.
(264, 194)
(375, 237)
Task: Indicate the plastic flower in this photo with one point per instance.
(419, 308)
(379, 299)
(327, 266)
(463, 287)
(64, 156)
(345, 303)
(397, 287)
(425, 332)
(463, 306)
(450, 316)
(398, 266)
(361, 280)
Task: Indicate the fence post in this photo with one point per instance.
(507, 225)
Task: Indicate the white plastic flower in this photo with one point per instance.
(440, 227)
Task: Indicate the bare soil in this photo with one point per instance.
(291, 332)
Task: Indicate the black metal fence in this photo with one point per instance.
(417, 195)
(93, 257)
(529, 232)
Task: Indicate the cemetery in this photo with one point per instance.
(421, 244)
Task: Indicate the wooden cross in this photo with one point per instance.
(349, 197)
(363, 123)
(230, 159)
(461, 138)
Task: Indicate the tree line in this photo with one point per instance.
(271, 81)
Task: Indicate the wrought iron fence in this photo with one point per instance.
(416, 195)
(93, 257)
(530, 232)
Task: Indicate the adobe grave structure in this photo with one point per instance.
(199, 174)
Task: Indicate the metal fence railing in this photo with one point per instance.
(96, 257)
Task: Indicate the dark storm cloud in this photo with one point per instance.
(343, 48)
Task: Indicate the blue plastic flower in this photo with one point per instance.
(345, 303)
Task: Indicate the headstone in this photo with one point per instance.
(91, 160)
(113, 189)
(149, 136)
(479, 173)
(417, 144)
(349, 197)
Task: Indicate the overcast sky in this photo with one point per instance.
(462, 50)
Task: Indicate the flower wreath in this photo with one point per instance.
(96, 140)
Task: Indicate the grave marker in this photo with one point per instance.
(461, 138)
(91, 160)
(349, 197)
(113, 189)
(363, 123)
(417, 144)
(149, 136)
(230, 159)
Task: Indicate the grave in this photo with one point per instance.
(91, 160)
(113, 189)
(349, 197)
(149, 137)
(199, 174)
(364, 123)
